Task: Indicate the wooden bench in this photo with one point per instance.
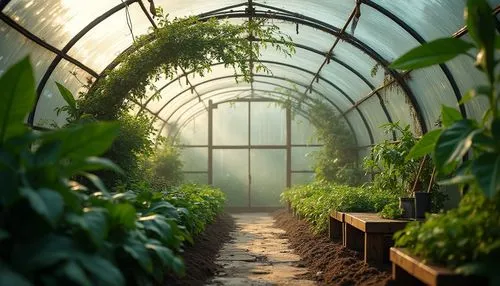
(336, 226)
(410, 270)
(370, 234)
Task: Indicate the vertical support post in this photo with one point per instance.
(210, 142)
(249, 154)
(288, 147)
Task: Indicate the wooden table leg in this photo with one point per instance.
(335, 229)
(353, 238)
(374, 248)
(401, 277)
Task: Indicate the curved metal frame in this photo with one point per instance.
(220, 13)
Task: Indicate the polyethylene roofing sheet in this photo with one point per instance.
(72, 42)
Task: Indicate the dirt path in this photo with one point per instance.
(258, 256)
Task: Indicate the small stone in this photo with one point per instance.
(319, 273)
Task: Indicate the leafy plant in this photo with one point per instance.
(336, 161)
(315, 201)
(393, 172)
(466, 238)
(391, 211)
(54, 230)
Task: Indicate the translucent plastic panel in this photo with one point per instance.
(56, 21)
(230, 174)
(268, 124)
(399, 107)
(231, 124)
(196, 178)
(303, 158)
(333, 12)
(431, 19)
(294, 74)
(303, 132)
(73, 78)
(374, 114)
(334, 94)
(346, 80)
(360, 61)
(182, 8)
(302, 178)
(194, 159)
(362, 135)
(311, 37)
(106, 41)
(268, 173)
(382, 34)
(467, 77)
(431, 88)
(14, 47)
(302, 58)
(195, 132)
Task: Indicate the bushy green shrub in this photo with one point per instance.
(56, 231)
(317, 200)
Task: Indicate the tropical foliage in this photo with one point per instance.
(59, 224)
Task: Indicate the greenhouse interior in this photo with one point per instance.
(249, 142)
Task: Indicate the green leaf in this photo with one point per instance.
(486, 168)
(454, 143)
(4, 234)
(431, 53)
(9, 277)
(481, 26)
(68, 97)
(450, 115)
(457, 180)
(75, 274)
(425, 145)
(42, 252)
(123, 215)
(92, 164)
(495, 129)
(96, 181)
(96, 224)
(17, 96)
(49, 204)
(104, 271)
(82, 141)
(139, 252)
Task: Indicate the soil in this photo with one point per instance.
(328, 261)
(201, 256)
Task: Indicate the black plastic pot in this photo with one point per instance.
(422, 204)
(408, 207)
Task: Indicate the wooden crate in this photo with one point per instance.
(410, 270)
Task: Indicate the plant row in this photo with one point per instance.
(314, 202)
(60, 225)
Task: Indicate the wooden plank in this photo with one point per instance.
(354, 238)
(335, 230)
(374, 248)
(371, 222)
(430, 274)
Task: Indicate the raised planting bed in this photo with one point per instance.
(370, 234)
(336, 226)
(410, 270)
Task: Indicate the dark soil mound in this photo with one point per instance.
(329, 262)
(200, 257)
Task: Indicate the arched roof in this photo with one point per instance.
(336, 61)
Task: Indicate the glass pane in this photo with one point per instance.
(230, 124)
(74, 79)
(56, 21)
(302, 178)
(230, 174)
(194, 159)
(268, 124)
(195, 131)
(196, 178)
(14, 47)
(303, 158)
(101, 45)
(268, 177)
